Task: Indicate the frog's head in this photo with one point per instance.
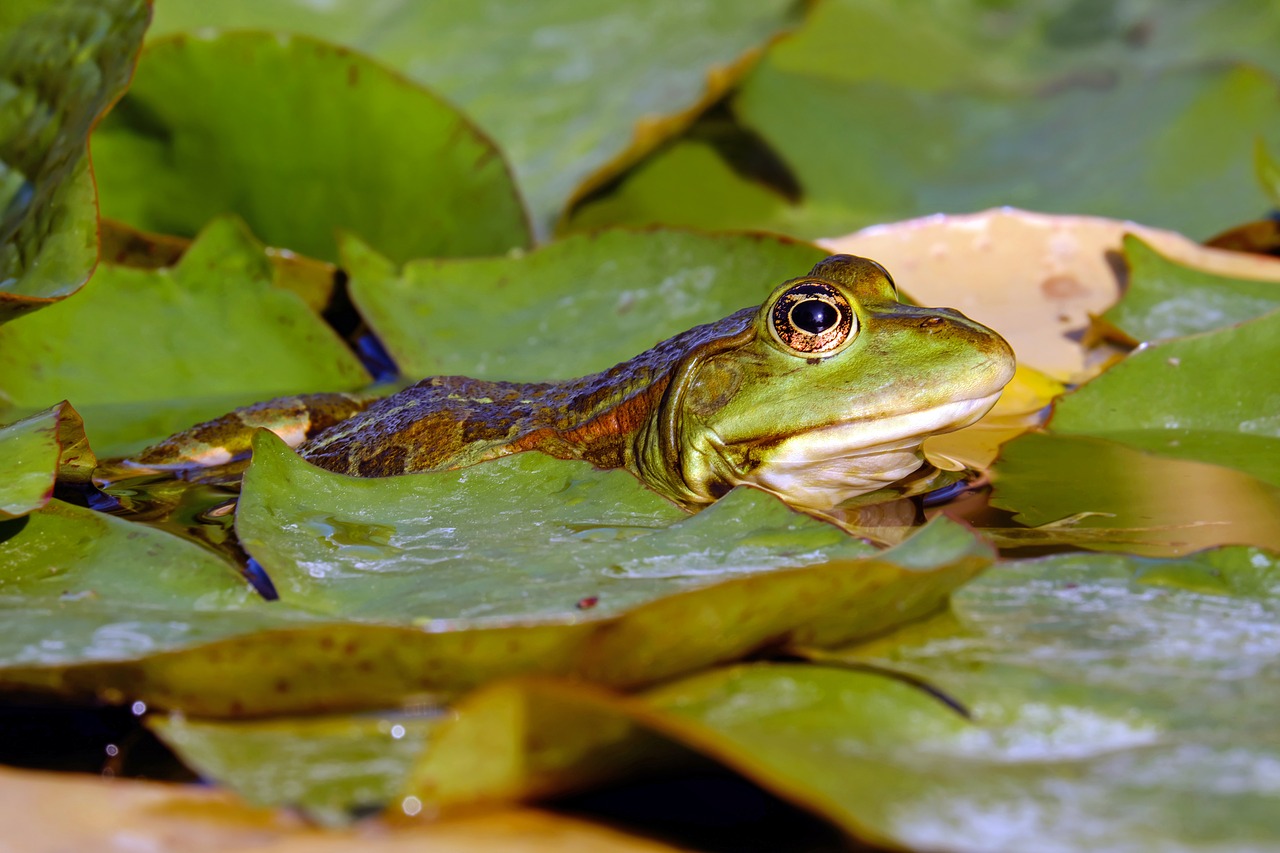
(825, 392)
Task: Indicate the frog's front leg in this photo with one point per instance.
(217, 451)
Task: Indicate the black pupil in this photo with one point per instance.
(814, 316)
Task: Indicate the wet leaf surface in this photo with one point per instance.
(37, 451)
(572, 90)
(1113, 703)
(62, 64)
(337, 142)
(175, 363)
(335, 642)
(1198, 398)
(71, 593)
(820, 606)
(613, 295)
(1167, 300)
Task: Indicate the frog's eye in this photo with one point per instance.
(812, 318)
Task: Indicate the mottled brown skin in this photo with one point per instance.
(454, 421)
(232, 434)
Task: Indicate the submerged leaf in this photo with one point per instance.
(338, 141)
(1167, 300)
(146, 352)
(567, 309)
(38, 450)
(573, 90)
(62, 64)
(1103, 495)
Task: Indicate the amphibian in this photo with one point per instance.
(822, 393)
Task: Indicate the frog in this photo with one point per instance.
(824, 392)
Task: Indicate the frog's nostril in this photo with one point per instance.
(931, 322)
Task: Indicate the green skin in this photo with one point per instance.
(753, 398)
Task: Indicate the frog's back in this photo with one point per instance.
(454, 421)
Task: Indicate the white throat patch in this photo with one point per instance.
(822, 468)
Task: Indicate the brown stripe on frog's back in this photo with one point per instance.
(227, 439)
(454, 421)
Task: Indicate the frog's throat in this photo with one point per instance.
(819, 469)
(822, 468)
(660, 455)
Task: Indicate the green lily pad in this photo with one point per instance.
(62, 64)
(190, 635)
(1268, 172)
(1093, 493)
(198, 338)
(969, 44)
(1167, 300)
(572, 90)
(350, 762)
(567, 309)
(673, 634)
(525, 537)
(338, 141)
(124, 246)
(1208, 398)
(72, 594)
(1132, 147)
(1109, 703)
(38, 450)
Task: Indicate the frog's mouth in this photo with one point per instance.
(819, 469)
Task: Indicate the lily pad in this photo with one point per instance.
(1103, 495)
(974, 44)
(189, 634)
(71, 594)
(198, 338)
(62, 64)
(350, 762)
(1110, 703)
(338, 141)
(1200, 398)
(124, 246)
(524, 538)
(1268, 172)
(1142, 154)
(572, 90)
(1167, 300)
(38, 450)
(567, 309)
(1130, 146)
